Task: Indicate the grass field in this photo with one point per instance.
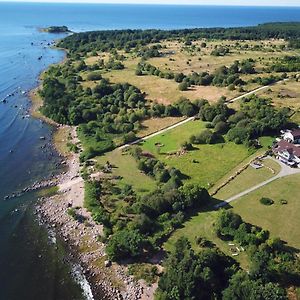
(179, 58)
(60, 139)
(281, 220)
(201, 225)
(156, 124)
(186, 60)
(248, 178)
(206, 163)
(126, 167)
(296, 117)
(284, 94)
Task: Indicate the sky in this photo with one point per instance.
(196, 2)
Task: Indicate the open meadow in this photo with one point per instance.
(178, 57)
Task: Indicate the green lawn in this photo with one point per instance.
(247, 179)
(201, 225)
(206, 164)
(281, 220)
(126, 167)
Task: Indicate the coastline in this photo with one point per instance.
(107, 281)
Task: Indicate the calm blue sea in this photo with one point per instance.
(31, 267)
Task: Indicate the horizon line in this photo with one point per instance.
(147, 3)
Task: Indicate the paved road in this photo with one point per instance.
(285, 171)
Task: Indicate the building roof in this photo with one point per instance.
(296, 133)
(286, 146)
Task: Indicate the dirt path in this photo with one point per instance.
(256, 90)
(193, 118)
(285, 171)
(157, 133)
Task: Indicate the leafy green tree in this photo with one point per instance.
(125, 244)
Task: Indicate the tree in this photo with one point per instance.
(125, 244)
(194, 195)
(242, 287)
(179, 77)
(183, 86)
(193, 276)
(227, 222)
(221, 127)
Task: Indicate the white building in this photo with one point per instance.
(292, 136)
(287, 152)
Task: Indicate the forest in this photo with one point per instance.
(82, 43)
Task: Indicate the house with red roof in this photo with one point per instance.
(287, 152)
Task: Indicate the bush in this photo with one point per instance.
(183, 86)
(94, 76)
(125, 244)
(266, 201)
(283, 201)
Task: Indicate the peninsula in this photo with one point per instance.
(173, 190)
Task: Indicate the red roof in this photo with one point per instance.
(296, 133)
(286, 146)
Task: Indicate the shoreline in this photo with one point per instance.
(106, 282)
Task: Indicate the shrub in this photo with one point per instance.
(94, 76)
(266, 201)
(283, 201)
(183, 86)
(125, 244)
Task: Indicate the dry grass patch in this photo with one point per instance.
(156, 124)
(284, 94)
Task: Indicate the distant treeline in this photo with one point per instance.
(128, 39)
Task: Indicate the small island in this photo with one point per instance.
(56, 29)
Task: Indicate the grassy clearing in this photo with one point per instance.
(281, 220)
(296, 118)
(60, 139)
(126, 167)
(184, 59)
(248, 178)
(48, 192)
(285, 94)
(206, 163)
(179, 58)
(156, 124)
(144, 271)
(202, 225)
(163, 90)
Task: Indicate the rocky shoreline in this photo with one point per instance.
(107, 280)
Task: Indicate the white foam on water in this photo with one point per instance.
(82, 281)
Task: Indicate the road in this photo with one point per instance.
(285, 171)
(192, 118)
(256, 90)
(157, 133)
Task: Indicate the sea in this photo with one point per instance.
(33, 264)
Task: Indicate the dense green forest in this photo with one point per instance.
(83, 43)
